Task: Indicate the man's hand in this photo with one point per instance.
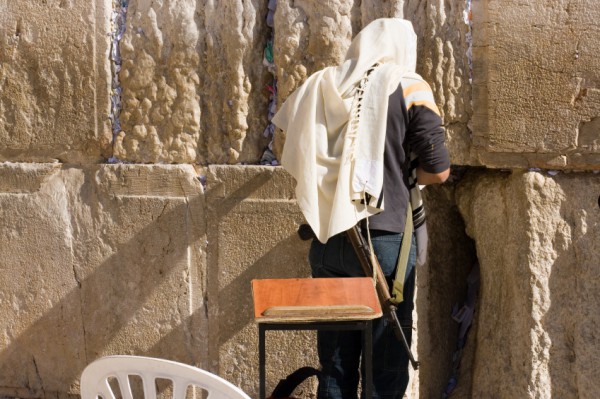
(425, 178)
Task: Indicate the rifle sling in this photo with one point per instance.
(397, 295)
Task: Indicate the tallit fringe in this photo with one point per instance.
(352, 132)
(355, 109)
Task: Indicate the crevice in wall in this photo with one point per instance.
(447, 305)
(460, 376)
(465, 317)
(468, 18)
(268, 157)
(119, 18)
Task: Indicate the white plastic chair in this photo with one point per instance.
(95, 378)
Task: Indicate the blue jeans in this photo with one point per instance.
(340, 351)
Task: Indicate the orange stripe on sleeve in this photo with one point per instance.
(420, 86)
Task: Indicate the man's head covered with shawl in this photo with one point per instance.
(336, 123)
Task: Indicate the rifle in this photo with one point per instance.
(371, 267)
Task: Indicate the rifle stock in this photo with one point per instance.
(371, 266)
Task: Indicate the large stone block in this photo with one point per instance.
(54, 80)
(234, 81)
(96, 261)
(537, 84)
(193, 82)
(160, 59)
(143, 282)
(253, 219)
(537, 241)
(41, 341)
(310, 36)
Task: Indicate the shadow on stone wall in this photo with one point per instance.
(133, 302)
(442, 283)
(239, 289)
(144, 288)
(251, 234)
(570, 324)
(564, 336)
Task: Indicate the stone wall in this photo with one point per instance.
(54, 81)
(537, 241)
(140, 257)
(132, 259)
(517, 84)
(97, 260)
(193, 82)
(536, 84)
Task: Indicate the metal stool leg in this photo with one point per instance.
(367, 335)
(261, 361)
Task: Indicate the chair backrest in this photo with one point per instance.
(95, 378)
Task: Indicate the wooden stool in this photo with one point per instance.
(316, 304)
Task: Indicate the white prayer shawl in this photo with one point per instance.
(336, 124)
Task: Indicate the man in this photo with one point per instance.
(351, 130)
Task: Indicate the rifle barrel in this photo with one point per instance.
(371, 266)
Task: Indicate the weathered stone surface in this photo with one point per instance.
(537, 84)
(537, 242)
(309, 36)
(235, 98)
(150, 223)
(193, 82)
(252, 234)
(161, 111)
(96, 261)
(38, 297)
(54, 80)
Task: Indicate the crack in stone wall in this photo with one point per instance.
(119, 20)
